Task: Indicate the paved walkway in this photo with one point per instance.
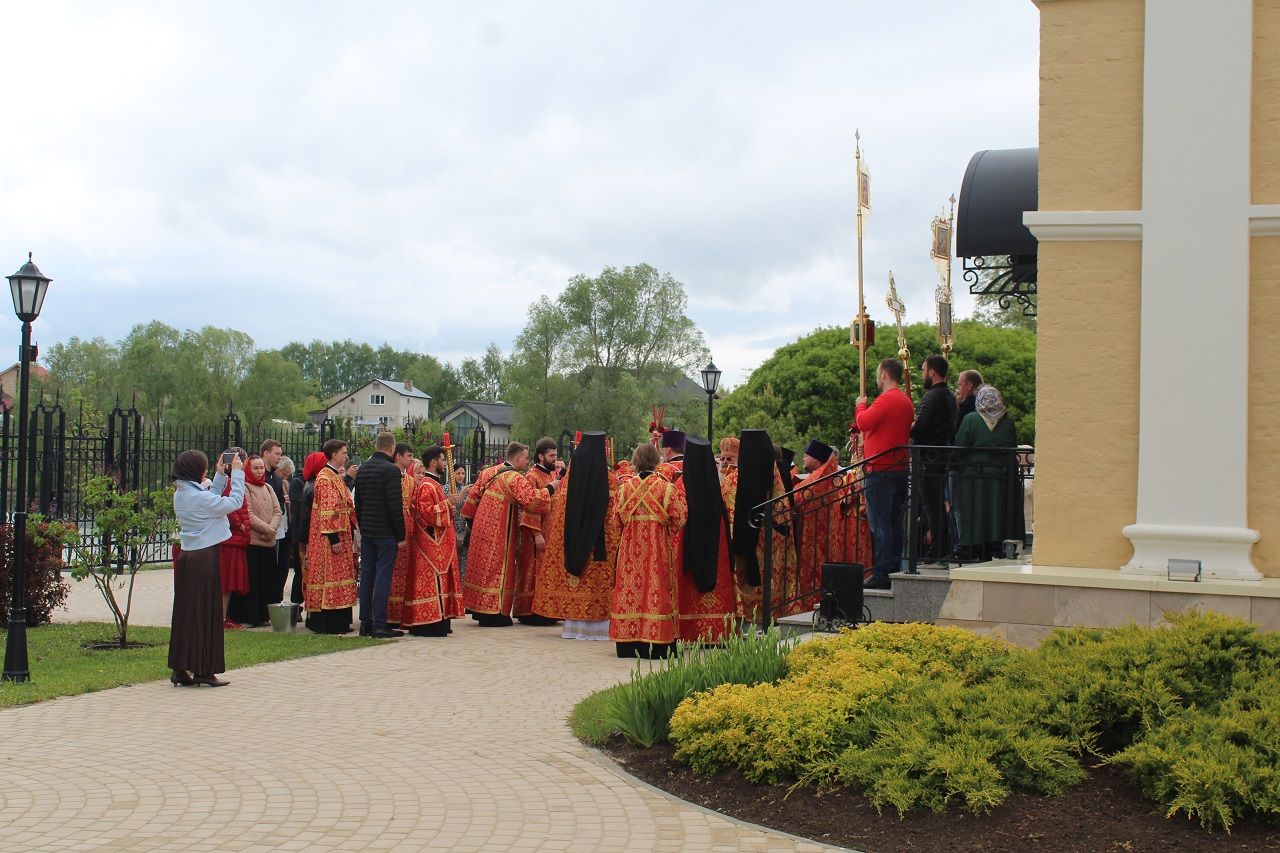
(419, 744)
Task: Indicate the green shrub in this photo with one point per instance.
(641, 708)
(1216, 764)
(920, 716)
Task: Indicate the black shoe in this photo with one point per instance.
(210, 680)
(877, 583)
(180, 678)
(365, 630)
(386, 634)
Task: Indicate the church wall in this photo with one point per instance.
(1091, 104)
(1266, 102)
(1264, 402)
(1091, 83)
(1087, 403)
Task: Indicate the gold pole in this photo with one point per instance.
(861, 321)
(949, 341)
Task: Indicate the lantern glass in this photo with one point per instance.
(710, 378)
(28, 287)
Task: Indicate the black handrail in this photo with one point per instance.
(919, 462)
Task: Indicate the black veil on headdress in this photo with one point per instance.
(756, 467)
(586, 504)
(706, 513)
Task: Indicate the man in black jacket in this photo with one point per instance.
(967, 385)
(935, 426)
(380, 514)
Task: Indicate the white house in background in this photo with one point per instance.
(495, 419)
(379, 402)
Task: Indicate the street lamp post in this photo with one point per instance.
(710, 382)
(29, 287)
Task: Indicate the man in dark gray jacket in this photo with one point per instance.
(935, 426)
(380, 514)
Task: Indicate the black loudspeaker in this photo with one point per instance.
(841, 594)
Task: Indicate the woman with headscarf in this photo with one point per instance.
(650, 510)
(704, 581)
(575, 580)
(195, 634)
(250, 607)
(987, 495)
(233, 556)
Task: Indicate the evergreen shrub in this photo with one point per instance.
(916, 715)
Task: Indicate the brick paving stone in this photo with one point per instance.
(421, 744)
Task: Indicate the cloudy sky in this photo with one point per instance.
(417, 173)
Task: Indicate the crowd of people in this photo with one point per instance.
(643, 552)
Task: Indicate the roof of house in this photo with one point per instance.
(394, 385)
(399, 387)
(684, 387)
(497, 414)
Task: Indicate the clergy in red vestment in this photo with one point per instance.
(820, 507)
(405, 462)
(673, 442)
(704, 580)
(531, 547)
(433, 587)
(494, 506)
(642, 619)
(329, 581)
(575, 579)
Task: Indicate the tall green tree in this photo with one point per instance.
(808, 388)
(274, 388)
(211, 365)
(85, 372)
(540, 394)
(148, 359)
(601, 353)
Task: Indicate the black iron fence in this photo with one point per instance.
(946, 506)
(137, 452)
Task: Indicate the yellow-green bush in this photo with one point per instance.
(831, 695)
(916, 715)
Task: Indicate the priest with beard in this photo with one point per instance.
(575, 579)
(704, 582)
(531, 548)
(433, 585)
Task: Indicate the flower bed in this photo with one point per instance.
(916, 716)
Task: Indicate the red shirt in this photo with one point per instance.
(886, 424)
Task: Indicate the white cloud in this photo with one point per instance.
(418, 173)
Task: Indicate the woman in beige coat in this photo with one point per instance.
(264, 520)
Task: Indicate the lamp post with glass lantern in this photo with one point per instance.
(28, 286)
(710, 382)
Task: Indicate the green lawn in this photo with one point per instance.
(60, 667)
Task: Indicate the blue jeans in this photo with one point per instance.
(886, 498)
(377, 561)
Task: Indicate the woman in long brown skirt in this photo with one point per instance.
(195, 636)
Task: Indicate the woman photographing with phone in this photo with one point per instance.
(195, 636)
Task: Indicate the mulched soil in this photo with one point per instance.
(1104, 813)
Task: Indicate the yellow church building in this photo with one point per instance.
(1158, 403)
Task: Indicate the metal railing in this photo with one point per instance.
(961, 504)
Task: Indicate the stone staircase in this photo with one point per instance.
(911, 598)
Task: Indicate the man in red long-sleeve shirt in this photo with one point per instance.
(885, 426)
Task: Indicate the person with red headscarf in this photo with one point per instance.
(250, 607)
(233, 555)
